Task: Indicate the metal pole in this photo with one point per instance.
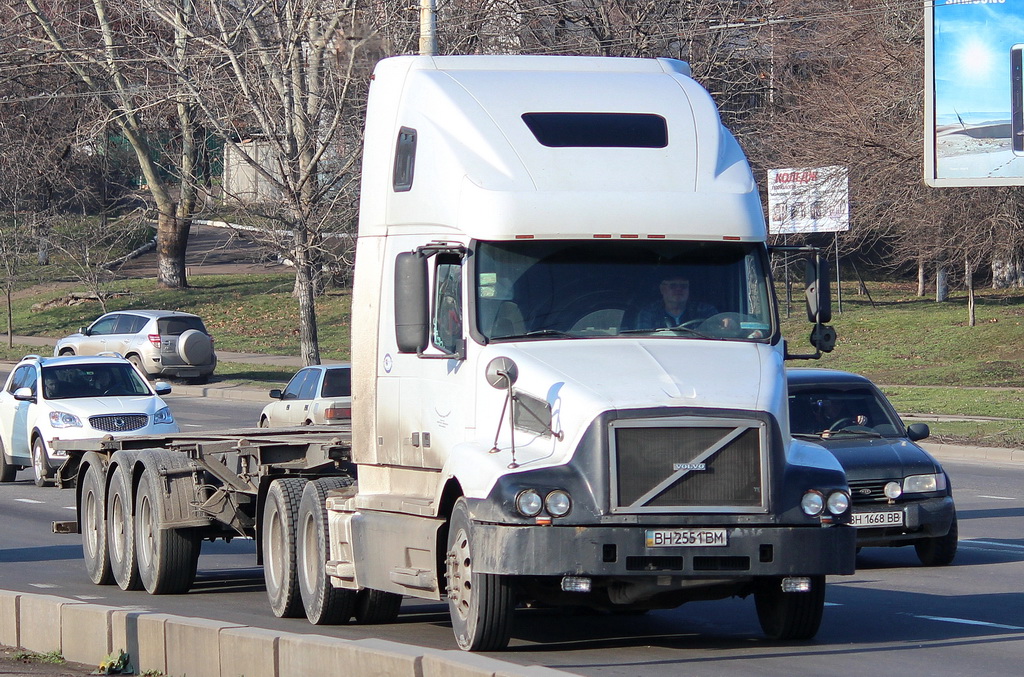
(428, 27)
(839, 282)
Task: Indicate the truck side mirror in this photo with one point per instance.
(818, 291)
(411, 302)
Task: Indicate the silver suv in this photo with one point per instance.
(158, 342)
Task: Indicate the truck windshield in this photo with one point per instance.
(672, 289)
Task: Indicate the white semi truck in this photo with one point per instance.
(568, 377)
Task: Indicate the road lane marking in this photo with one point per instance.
(27, 500)
(44, 585)
(967, 621)
(999, 498)
(992, 544)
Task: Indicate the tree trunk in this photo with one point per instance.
(1008, 272)
(941, 283)
(309, 342)
(972, 319)
(171, 242)
(920, 278)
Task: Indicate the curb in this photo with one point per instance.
(177, 645)
(951, 452)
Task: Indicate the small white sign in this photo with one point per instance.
(808, 200)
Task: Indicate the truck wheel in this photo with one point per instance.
(94, 528)
(167, 557)
(40, 465)
(481, 605)
(939, 551)
(324, 603)
(121, 533)
(280, 522)
(8, 471)
(789, 615)
(375, 607)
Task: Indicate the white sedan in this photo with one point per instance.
(316, 395)
(72, 398)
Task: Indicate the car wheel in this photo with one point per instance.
(66, 352)
(480, 605)
(264, 422)
(195, 347)
(280, 531)
(789, 615)
(8, 471)
(137, 361)
(40, 465)
(939, 551)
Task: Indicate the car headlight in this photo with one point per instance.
(812, 503)
(163, 416)
(558, 503)
(917, 484)
(62, 419)
(838, 502)
(529, 503)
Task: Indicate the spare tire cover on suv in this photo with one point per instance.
(195, 347)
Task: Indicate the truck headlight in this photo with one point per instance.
(917, 484)
(838, 502)
(813, 503)
(558, 503)
(529, 503)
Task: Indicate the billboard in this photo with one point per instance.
(808, 200)
(974, 116)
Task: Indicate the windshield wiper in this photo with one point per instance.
(661, 330)
(853, 433)
(533, 334)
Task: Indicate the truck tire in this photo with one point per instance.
(481, 605)
(941, 550)
(8, 471)
(324, 604)
(280, 531)
(121, 532)
(41, 470)
(94, 527)
(167, 558)
(375, 607)
(789, 615)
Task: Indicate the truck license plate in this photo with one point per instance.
(888, 518)
(674, 538)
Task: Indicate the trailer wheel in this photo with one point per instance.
(481, 605)
(375, 607)
(324, 603)
(94, 527)
(789, 615)
(167, 557)
(280, 531)
(121, 533)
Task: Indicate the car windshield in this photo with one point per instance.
(92, 380)
(658, 288)
(821, 411)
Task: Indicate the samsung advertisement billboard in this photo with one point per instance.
(974, 114)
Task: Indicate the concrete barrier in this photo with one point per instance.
(199, 647)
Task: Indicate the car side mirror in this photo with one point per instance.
(162, 388)
(275, 393)
(24, 395)
(84, 331)
(918, 431)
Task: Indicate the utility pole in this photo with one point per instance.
(428, 27)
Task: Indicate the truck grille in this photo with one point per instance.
(119, 423)
(688, 465)
(868, 491)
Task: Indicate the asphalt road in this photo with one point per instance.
(892, 615)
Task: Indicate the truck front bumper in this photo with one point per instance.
(624, 551)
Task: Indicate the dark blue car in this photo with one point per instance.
(901, 495)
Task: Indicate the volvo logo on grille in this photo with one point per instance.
(120, 423)
(689, 466)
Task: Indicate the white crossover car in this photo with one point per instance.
(46, 398)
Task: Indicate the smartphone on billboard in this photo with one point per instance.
(1017, 99)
